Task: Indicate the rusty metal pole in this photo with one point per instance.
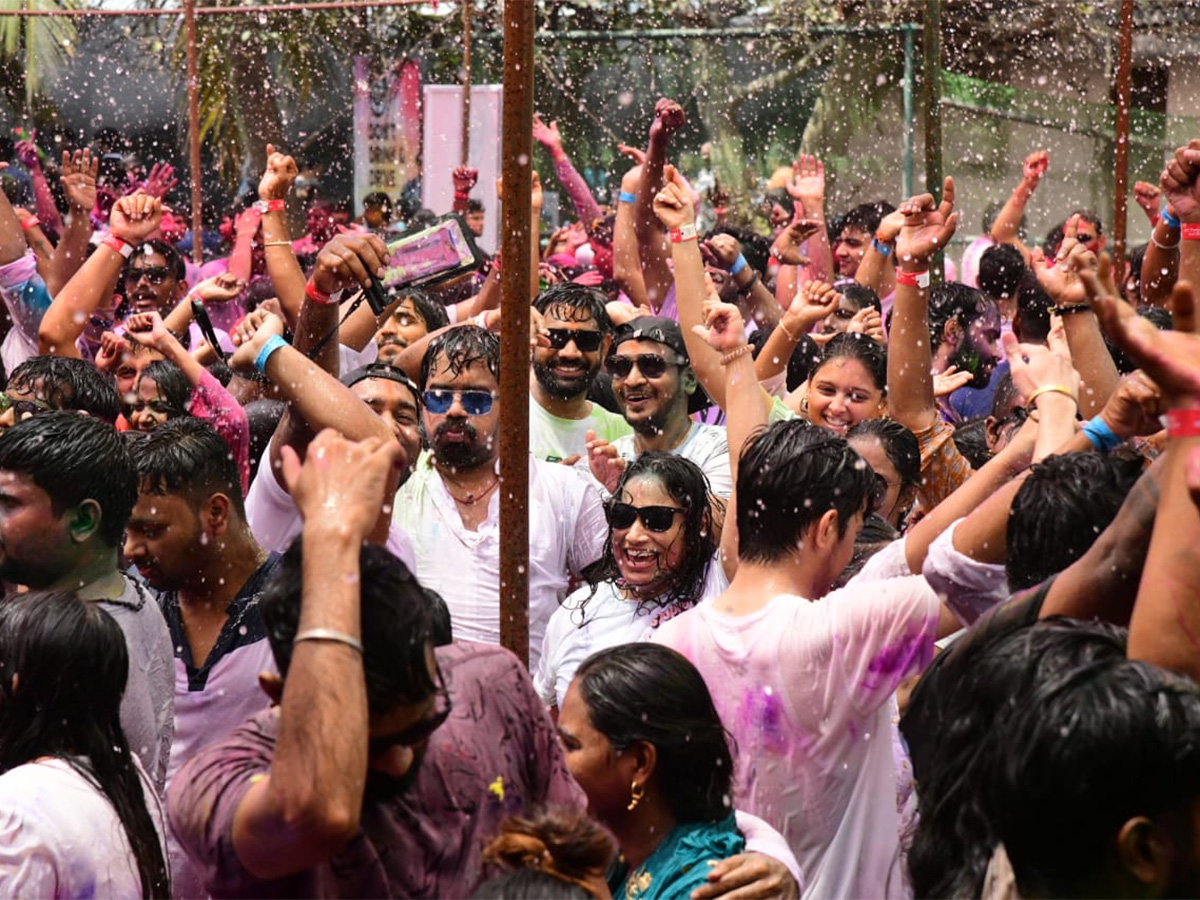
(516, 230)
(933, 115)
(466, 79)
(193, 101)
(1121, 176)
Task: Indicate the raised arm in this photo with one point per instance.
(877, 269)
(1160, 265)
(30, 158)
(1004, 229)
(79, 186)
(807, 188)
(627, 259)
(586, 208)
(309, 805)
(464, 178)
(652, 241)
(282, 266)
(812, 303)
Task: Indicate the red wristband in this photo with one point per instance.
(1183, 423)
(686, 233)
(558, 155)
(31, 222)
(266, 206)
(118, 245)
(316, 295)
(462, 195)
(913, 279)
(1190, 231)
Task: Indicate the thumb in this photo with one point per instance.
(1012, 349)
(290, 466)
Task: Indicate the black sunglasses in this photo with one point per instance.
(24, 408)
(586, 339)
(654, 518)
(415, 733)
(651, 365)
(153, 274)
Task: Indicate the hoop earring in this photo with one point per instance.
(636, 792)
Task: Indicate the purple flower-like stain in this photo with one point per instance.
(911, 653)
(761, 713)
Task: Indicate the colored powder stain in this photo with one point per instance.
(894, 661)
(497, 788)
(762, 715)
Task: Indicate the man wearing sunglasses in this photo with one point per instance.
(450, 506)
(43, 383)
(560, 414)
(657, 390)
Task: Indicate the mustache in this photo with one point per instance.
(465, 428)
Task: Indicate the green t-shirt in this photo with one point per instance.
(554, 439)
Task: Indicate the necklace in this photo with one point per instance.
(472, 498)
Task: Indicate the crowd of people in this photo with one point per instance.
(846, 578)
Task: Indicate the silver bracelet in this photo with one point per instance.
(1154, 241)
(328, 634)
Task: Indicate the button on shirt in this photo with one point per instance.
(567, 528)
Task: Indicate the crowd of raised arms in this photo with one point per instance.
(843, 582)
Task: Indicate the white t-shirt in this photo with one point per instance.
(554, 439)
(586, 624)
(61, 837)
(805, 687)
(567, 528)
(705, 445)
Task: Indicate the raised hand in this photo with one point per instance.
(868, 321)
(1179, 182)
(135, 217)
(635, 153)
(1034, 366)
(605, 462)
(161, 180)
(464, 178)
(807, 184)
(1149, 197)
(786, 246)
(721, 250)
(112, 348)
(251, 334)
(79, 173)
(347, 260)
(1034, 168)
(27, 152)
(279, 177)
(668, 118)
(723, 327)
(1133, 409)
(148, 329)
(673, 204)
(247, 221)
(928, 227)
(1061, 279)
(220, 288)
(547, 135)
(950, 380)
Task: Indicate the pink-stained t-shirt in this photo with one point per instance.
(216, 406)
(805, 687)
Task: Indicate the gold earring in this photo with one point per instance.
(636, 792)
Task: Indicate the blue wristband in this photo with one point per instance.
(274, 342)
(1101, 435)
(626, 197)
(884, 250)
(1170, 220)
(738, 265)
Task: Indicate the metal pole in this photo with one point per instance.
(466, 64)
(909, 119)
(1121, 180)
(193, 98)
(514, 327)
(933, 114)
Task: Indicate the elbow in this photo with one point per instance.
(326, 824)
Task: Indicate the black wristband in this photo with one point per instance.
(1073, 308)
(748, 286)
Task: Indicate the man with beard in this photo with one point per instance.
(654, 385)
(189, 539)
(415, 315)
(450, 506)
(560, 414)
(964, 328)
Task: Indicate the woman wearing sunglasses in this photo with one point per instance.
(658, 561)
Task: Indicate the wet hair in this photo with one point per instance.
(264, 417)
(781, 197)
(1157, 316)
(755, 247)
(1137, 256)
(187, 457)
(75, 458)
(172, 385)
(789, 475)
(396, 628)
(861, 296)
(802, 362)
(66, 382)
(1032, 323)
(474, 206)
(898, 443)
(1000, 271)
(971, 440)
(865, 217)
(377, 200)
(853, 345)
(439, 615)
(462, 346)
(958, 720)
(73, 662)
(953, 300)
(1060, 510)
(684, 481)
(649, 692)
(546, 855)
(175, 261)
(429, 308)
(1091, 217)
(1053, 240)
(573, 302)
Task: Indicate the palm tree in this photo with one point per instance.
(33, 48)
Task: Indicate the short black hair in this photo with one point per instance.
(396, 629)
(1000, 271)
(431, 310)
(1157, 316)
(171, 383)
(187, 456)
(789, 475)
(1032, 323)
(175, 261)
(783, 198)
(67, 382)
(1060, 510)
(953, 300)
(75, 458)
(474, 206)
(462, 346)
(865, 217)
(573, 302)
(898, 442)
(861, 296)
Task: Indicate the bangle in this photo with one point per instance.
(1102, 436)
(790, 336)
(1183, 423)
(328, 634)
(317, 296)
(913, 279)
(736, 354)
(274, 342)
(1169, 220)
(1160, 246)
(1190, 231)
(462, 195)
(31, 222)
(1050, 389)
(626, 197)
(738, 265)
(480, 321)
(266, 206)
(686, 233)
(718, 211)
(884, 250)
(277, 243)
(1073, 308)
(748, 286)
(118, 245)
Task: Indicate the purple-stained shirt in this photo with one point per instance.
(496, 756)
(215, 405)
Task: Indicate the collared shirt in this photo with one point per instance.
(567, 529)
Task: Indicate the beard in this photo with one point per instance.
(462, 455)
(560, 387)
(381, 787)
(969, 360)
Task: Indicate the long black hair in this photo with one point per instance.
(687, 485)
(172, 384)
(70, 663)
(649, 692)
